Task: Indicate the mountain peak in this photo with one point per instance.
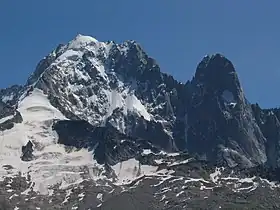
(215, 55)
(217, 73)
(81, 41)
(216, 63)
(218, 103)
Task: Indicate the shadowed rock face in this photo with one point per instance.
(217, 73)
(222, 126)
(109, 145)
(5, 110)
(268, 121)
(27, 151)
(8, 116)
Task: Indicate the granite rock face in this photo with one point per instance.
(268, 121)
(221, 123)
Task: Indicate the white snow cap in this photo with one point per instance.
(81, 41)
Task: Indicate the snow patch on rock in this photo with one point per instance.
(131, 169)
(229, 98)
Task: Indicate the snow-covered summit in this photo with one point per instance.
(105, 82)
(81, 41)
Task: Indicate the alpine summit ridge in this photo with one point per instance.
(98, 125)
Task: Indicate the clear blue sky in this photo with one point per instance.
(177, 33)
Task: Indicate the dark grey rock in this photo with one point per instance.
(221, 124)
(27, 151)
(9, 122)
(11, 95)
(109, 145)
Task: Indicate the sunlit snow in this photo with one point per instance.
(52, 164)
(129, 170)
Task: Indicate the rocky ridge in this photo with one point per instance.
(99, 119)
